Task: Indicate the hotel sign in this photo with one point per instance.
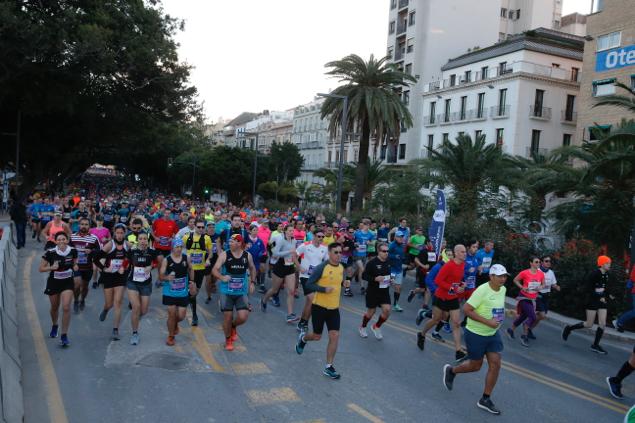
(614, 59)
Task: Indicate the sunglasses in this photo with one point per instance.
(200, 227)
(383, 251)
(336, 252)
(547, 260)
(319, 236)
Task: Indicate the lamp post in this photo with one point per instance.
(340, 172)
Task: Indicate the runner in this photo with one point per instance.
(109, 215)
(198, 247)
(597, 296)
(431, 288)
(190, 228)
(396, 255)
(135, 229)
(450, 286)
(378, 275)
(313, 254)
(471, 272)
(326, 281)
(123, 214)
(53, 227)
(163, 231)
(485, 257)
(235, 269)
(60, 261)
(629, 315)
(113, 265)
(416, 244)
(176, 286)
(423, 262)
(485, 310)
(362, 237)
(529, 281)
(542, 301)
(210, 280)
(615, 382)
(346, 239)
(76, 215)
(283, 271)
(264, 233)
(86, 245)
(235, 228)
(139, 282)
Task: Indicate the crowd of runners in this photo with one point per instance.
(132, 242)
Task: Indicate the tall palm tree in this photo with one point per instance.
(375, 107)
(626, 102)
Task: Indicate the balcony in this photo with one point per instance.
(477, 115)
(540, 113)
(500, 112)
(568, 117)
(402, 27)
(444, 119)
(310, 145)
(399, 54)
(403, 3)
(430, 120)
(531, 152)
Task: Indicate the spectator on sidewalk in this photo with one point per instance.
(18, 215)
(629, 315)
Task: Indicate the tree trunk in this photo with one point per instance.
(362, 167)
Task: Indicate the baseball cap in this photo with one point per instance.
(498, 270)
(399, 233)
(602, 260)
(237, 238)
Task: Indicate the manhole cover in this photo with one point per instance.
(164, 361)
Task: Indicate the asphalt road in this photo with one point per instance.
(99, 380)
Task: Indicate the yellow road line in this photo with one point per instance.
(258, 397)
(562, 386)
(257, 368)
(202, 347)
(54, 399)
(365, 414)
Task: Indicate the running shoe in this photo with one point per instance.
(566, 331)
(76, 307)
(617, 326)
(598, 349)
(510, 333)
(488, 405)
(530, 334)
(299, 346)
(276, 301)
(397, 307)
(54, 330)
(170, 341)
(363, 332)
(460, 356)
(115, 334)
(428, 314)
(420, 316)
(377, 332)
(234, 335)
(421, 341)
(263, 306)
(615, 388)
(302, 326)
(102, 315)
(292, 318)
(447, 328)
(331, 372)
(411, 295)
(229, 344)
(524, 340)
(437, 337)
(448, 377)
(348, 292)
(262, 289)
(82, 305)
(208, 300)
(64, 342)
(134, 339)
(195, 320)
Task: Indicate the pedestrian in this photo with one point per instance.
(485, 311)
(18, 215)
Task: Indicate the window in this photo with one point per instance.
(609, 41)
(566, 140)
(568, 112)
(598, 131)
(411, 18)
(632, 82)
(603, 87)
(503, 12)
(480, 105)
(502, 101)
(356, 155)
(402, 151)
(468, 76)
(433, 110)
(555, 65)
(477, 134)
(575, 74)
(517, 13)
(393, 4)
(538, 102)
(337, 156)
(535, 141)
(391, 27)
(390, 52)
(345, 156)
(463, 107)
(382, 153)
(406, 97)
(430, 144)
(502, 68)
(484, 71)
(446, 137)
(446, 114)
(452, 80)
(410, 45)
(499, 137)
(408, 69)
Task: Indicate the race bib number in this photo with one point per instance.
(164, 241)
(139, 274)
(64, 274)
(115, 265)
(498, 314)
(197, 258)
(288, 261)
(599, 290)
(107, 217)
(214, 248)
(533, 286)
(385, 283)
(66, 216)
(178, 284)
(123, 219)
(236, 284)
(343, 259)
(432, 257)
(453, 288)
(487, 263)
(82, 257)
(361, 248)
(470, 282)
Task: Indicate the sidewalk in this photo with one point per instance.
(562, 321)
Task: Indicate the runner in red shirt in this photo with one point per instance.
(530, 282)
(163, 231)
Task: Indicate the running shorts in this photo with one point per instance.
(231, 302)
(57, 286)
(281, 270)
(176, 301)
(377, 297)
(143, 288)
(446, 305)
(321, 315)
(479, 345)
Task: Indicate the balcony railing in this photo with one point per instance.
(540, 113)
(476, 114)
(399, 54)
(530, 152)
(568, 117)
(500, 112)
(430, 120)
(402, 27)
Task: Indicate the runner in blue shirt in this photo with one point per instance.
(362, 238)
(396, 254)
(485, 257)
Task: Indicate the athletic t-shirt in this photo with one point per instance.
(471, 269)
(488, 304)
(550, 280)
(323, 276)
(418, 242)
(361, 240)
(163, 231)
(531, 282)
(448, 280)
(485, 259)
(312, 256)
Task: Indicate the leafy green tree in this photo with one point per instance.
(285, 162)
(375, 107)
(400, 192)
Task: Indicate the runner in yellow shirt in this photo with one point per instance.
(198, 247)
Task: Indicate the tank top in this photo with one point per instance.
(116, 257)
(179, 286)
(54, 229)
(140, 260)
(237, 269)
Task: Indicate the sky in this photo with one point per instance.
(253, 55)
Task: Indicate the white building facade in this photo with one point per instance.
(520, 94)
(424, 34)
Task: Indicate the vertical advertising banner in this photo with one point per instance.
(437, 226)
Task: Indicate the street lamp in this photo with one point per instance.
(340, 172)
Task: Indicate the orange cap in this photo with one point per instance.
(602, 260)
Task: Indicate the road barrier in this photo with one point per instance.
(11, 399)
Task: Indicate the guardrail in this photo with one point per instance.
(11, 399)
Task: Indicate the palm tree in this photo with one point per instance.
(469, 167)
(374, 105)
(626, 102)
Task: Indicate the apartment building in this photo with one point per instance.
(424, 34)
(609, 57)
(520, 94)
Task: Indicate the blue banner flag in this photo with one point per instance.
(437, 226)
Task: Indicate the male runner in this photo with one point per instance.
(313, 254)
(198, 247)
(86, 245)
(377, 273)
